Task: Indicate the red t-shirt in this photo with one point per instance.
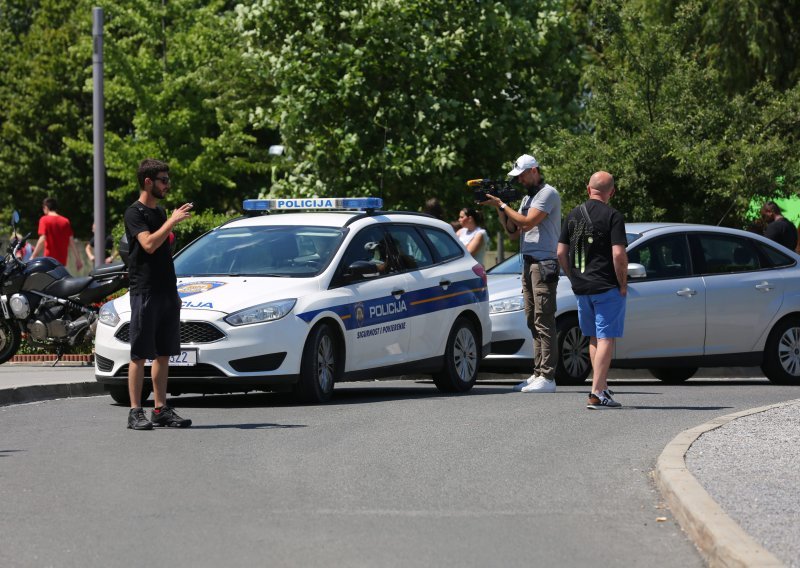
(57, 232)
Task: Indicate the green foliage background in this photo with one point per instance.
(693, 105)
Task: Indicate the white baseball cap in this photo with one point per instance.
(524, 162)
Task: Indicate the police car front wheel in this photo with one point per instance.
(461, 357)
(321, 365)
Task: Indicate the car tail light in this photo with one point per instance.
(478, 269)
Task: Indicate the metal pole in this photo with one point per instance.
(98, 126)
(501, 255)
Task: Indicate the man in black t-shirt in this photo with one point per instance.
(779, 228)
(155, 305)
(591, 250)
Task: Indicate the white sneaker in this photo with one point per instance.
(540, 384)
(525, 383)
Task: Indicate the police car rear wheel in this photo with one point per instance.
(461, 358)
(320, 365)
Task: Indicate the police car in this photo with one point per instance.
(303, 293)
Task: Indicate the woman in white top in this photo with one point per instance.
(474, 237)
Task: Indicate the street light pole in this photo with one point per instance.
(98, 126)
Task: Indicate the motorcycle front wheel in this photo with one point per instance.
(10, 338)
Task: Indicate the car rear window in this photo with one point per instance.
(773, 258)
(723, 254)
(444, 244)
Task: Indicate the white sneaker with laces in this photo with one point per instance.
(540, 384)
(525, 383)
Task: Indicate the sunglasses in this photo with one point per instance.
(163, 179)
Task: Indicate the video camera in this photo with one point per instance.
(500, 189)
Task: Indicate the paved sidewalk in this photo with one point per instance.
(703, 473)
(31, 382)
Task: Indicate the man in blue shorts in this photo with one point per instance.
(591, 250)
(155, 305)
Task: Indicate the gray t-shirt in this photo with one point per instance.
(541, 241)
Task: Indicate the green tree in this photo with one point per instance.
(407, 99)
(172, 74)
(659, 118)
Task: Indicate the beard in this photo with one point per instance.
(157, 193)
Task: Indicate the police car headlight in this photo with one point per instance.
(108, 314)
(270, 311)
(512, 304)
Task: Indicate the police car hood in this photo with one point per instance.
(228, 295)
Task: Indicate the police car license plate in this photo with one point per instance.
(187, 358)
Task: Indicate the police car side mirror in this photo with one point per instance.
(361, 269)
(636, 270)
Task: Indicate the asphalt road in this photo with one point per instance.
(388, 474)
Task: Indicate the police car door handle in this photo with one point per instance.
(764, 286)
(445, 284)
(398, 292)
(686, 292)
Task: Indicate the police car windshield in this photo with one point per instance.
(284, 251)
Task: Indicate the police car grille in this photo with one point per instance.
(191, 332)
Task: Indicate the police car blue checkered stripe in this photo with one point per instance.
(417, 303)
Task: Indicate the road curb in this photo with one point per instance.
(721, 541)
(33, 393)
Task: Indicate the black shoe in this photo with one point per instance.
(137, 420)
(165, 416)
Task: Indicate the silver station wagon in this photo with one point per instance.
(698, 296)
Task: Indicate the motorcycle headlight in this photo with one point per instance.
(108, 314)
(270, 311)
(512, 304)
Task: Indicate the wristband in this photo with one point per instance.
(502, 206)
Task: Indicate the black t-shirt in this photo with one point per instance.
(608, 225)
(783, 232)
(149, 273)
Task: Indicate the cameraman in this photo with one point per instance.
(538, 225)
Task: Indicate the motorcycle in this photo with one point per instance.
(39, 299)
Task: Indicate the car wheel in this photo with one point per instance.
(320, 366)
(573, 363)
(673, 375)
(461, 357)
(782, 353)
(10, 338)
(119, 394)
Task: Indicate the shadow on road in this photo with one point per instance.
(345, 393)
(264, 426)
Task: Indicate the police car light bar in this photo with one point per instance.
(359, 203)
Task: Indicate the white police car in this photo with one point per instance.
(299, 301)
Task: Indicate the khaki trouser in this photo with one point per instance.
(540, 311)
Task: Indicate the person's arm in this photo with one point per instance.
(89, 252)
(151, 241)
(474, 245)
(522, 222)
(74, 248)
(620, 257)
(563, 257)
(39, 249)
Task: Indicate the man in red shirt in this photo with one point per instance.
(55, 235)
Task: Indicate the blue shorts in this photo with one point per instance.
(601, 315)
